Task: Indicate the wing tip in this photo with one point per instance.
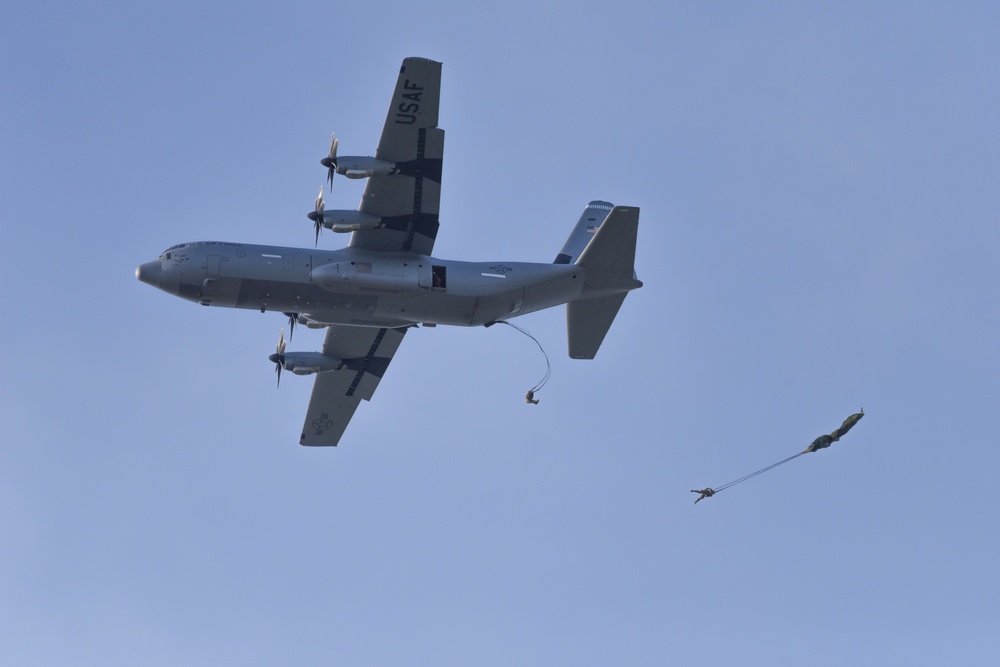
(417, 61)
(302, 442)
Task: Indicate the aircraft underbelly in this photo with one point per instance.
(498, 306)
(397, 308)
(437, 308)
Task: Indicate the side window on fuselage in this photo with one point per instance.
(439, 276)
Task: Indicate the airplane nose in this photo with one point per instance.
(150, 273)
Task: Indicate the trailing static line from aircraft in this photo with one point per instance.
(822, 442)
(385, 281)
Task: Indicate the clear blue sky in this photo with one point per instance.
(819, 232)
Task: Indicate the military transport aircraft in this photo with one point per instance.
(384, 282)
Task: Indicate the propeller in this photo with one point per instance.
(293, 319)
(330, 161)
(279, 356)
(317, 215)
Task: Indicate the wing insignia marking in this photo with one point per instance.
(322, 424)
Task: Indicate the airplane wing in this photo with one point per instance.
(408, 201)
(336, 394)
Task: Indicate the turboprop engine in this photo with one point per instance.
(354, 166)
(301, 363)
(340, 221)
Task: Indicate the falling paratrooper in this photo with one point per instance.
(822, 442)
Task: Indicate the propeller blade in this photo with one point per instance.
(279, 356)
(293, 319)
(317, 215)
(330, 161)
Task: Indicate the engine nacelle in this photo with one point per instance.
(356, 166)
(308, 322)
(307, 363)
(350, 221)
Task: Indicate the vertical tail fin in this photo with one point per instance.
(588, 224)
(608, 262)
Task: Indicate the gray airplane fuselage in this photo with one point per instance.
(358, 287)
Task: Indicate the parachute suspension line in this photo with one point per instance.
(548, 366)
(759, 472)
(822, 442)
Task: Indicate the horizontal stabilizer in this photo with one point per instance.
(587, 323)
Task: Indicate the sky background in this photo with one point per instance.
(819, 232)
